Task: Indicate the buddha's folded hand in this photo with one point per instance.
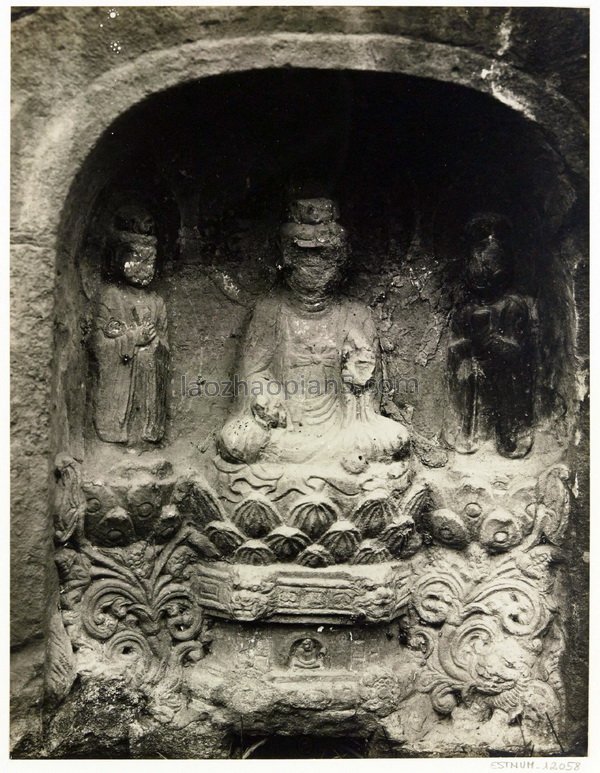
(358, 366)
(268, 411)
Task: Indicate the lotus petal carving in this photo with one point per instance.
(200, 542)
(315, 556)
(194, 499)
(286, 542)
(255, 552)
(396, 536)
(256, 517)
(371, 551)
(418, 503)
(313, 516)
(373, 515)
(341, 540)
(225, 536)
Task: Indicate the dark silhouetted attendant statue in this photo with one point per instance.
(491, 359)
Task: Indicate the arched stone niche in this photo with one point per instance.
(410, 156)
(213, 159)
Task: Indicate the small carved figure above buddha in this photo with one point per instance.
(491, 360)
(310, 361)
(129, 340)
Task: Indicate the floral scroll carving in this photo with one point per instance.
(135, 598)
(479, 633)
(487, 631)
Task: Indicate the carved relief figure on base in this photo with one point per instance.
(307, 653)
(310, 360)
(130, 345)
(491, 359)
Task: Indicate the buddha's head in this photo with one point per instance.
(488, 241)
(313, 246)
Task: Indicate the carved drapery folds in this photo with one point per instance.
(129, 342)
(310, 360)
(492, 354)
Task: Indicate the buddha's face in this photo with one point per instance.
(313, 271)
(138, 266)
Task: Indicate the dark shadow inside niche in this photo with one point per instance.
(299, 747)
(387, 147)
(408, 159)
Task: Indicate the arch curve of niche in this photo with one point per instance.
(447, 621)
(51, 185)
(72, 133)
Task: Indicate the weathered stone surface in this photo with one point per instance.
(96, 123)
(26, 688)
(32, 280)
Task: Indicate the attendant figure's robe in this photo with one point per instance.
(131, 380)
(491, 368)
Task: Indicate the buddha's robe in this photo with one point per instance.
(304, 358)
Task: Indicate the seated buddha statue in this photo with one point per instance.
(310, 361)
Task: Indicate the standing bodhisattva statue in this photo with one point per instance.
(131, 349)
(491, 358)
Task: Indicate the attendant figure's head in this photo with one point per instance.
(313, 247)
(136, 258)
(134, 251)
(488, 241)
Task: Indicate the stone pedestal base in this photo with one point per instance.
(175, 640)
